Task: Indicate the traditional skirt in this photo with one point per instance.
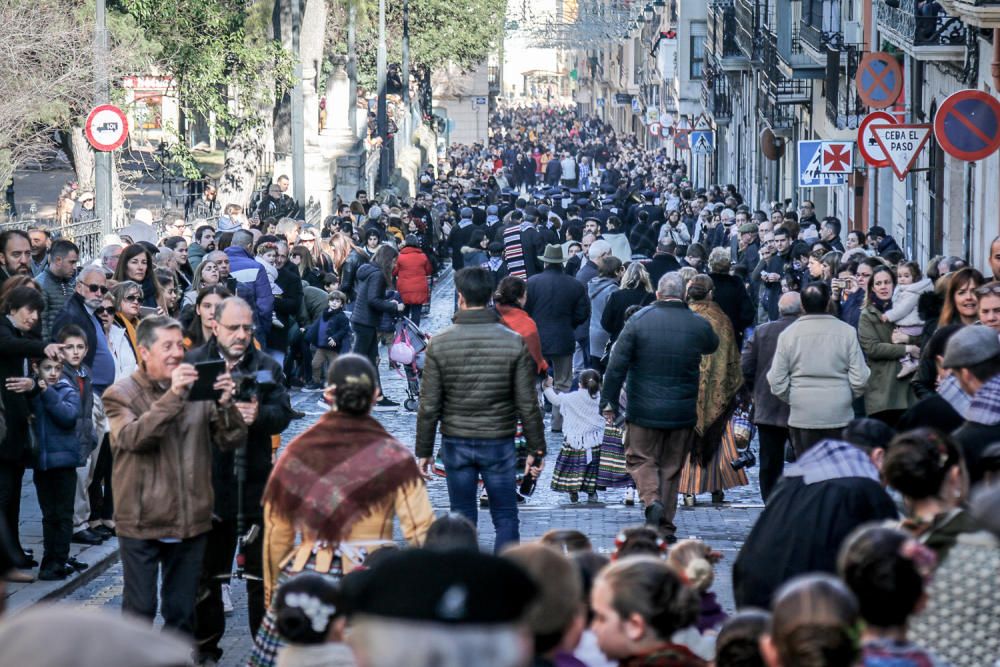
(268, 642)
(611, 469)
(573, 473)
(718, 475)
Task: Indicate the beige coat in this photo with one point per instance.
(818, 369)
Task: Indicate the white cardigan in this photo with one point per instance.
(583, 423)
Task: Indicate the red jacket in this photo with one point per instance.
(515, 318)
(412, 269)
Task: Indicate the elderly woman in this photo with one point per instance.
(127, 299)
(369, 479)
(730, 293)
(721, 378)
(887, 396)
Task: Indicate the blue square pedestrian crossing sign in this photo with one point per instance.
(702, 142)
(811, 174)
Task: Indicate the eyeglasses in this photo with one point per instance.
(103, 289)
(987, 290)
(133, 298)
(104, 310)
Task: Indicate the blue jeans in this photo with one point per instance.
(496, 460)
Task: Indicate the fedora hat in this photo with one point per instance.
(553, 255)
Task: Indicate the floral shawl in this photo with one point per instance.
(720, 381)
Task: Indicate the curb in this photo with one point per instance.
(101, 558)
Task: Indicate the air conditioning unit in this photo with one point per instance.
(852, 32)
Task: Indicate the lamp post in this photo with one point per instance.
(298, 120)
(102, 159)
(381, 119)
(405, 74)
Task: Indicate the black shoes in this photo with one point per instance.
(57, 573)
(86, 536)
(104, 532)
(385, 404)
(77, 565)
(654, 514)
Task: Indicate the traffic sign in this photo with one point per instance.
(636, 106)
(837, 157)
(879, 79)
(654, 129)
(481, 101)
(868, 146)
(702, 142)
(682, 139)
(902, 143)
(967, 125)
(811, 174)
(106, 127)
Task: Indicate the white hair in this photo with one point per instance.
(381, 642)
(671, 285)
(598, 249)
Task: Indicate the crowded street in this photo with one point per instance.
(582, 333)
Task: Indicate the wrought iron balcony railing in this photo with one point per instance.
(900, 19)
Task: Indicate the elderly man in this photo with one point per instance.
(818, 369)
(559, 304)
(265, 408)
(770, 413)
(221, 260)
(108, 258)
(972, 355)
(162, 479)
(657, 358)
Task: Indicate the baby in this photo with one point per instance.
(267, 255)
(910, 284)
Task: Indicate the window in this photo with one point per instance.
(697, 55)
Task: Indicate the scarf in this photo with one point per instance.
(336, 473)
(881, 305)
(668, 655)
(719, 383)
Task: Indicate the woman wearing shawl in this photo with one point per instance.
(714, 447)
(338, 487)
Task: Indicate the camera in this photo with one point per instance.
(248, 384)
(745, 459)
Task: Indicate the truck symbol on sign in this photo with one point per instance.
(109, 126)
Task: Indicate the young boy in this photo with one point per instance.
(330, 334)
(65, 433)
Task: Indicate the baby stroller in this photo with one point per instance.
(406, 355)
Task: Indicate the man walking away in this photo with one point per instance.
(657, 359)
(770, 413)
(558, 303)
(478, 380)
(818, 369)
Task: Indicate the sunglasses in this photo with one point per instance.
(133, 298)
(104, 310)
(103, 289)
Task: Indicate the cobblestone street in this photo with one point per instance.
(723, 526)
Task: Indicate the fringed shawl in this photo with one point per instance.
(719, 384)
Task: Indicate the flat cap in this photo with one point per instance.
(971, 345)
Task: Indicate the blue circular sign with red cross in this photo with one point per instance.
(879, 80)
(967, 125)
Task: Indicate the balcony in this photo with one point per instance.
(721, 40)
(940, 38)
(716, 96)
(780, 89)
(796, 63)
(976, 13)
(844, 108)
(747, 24)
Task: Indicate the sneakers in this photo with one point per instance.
(909, 367)
(629, 499)
(227, 599)
(385, 405)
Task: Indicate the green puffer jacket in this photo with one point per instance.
(478, 380)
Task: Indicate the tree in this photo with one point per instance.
(46, 70)
(227, 64)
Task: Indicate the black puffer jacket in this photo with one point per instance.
(478, 380)
(659, 351)
(370, 301)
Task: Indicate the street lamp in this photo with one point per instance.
(648, 13)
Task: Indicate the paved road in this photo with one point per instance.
(724, 527)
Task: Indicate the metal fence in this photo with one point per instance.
(86, 235)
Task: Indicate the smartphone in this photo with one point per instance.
(208, 373)
(145, 311)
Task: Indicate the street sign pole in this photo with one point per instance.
(102, 159)
(298, 120)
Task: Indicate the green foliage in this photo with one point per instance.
(217, 51)
(463, 32)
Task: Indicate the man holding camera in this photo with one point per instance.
(162, 446)
(260, 396)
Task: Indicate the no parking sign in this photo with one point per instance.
(967, 125)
